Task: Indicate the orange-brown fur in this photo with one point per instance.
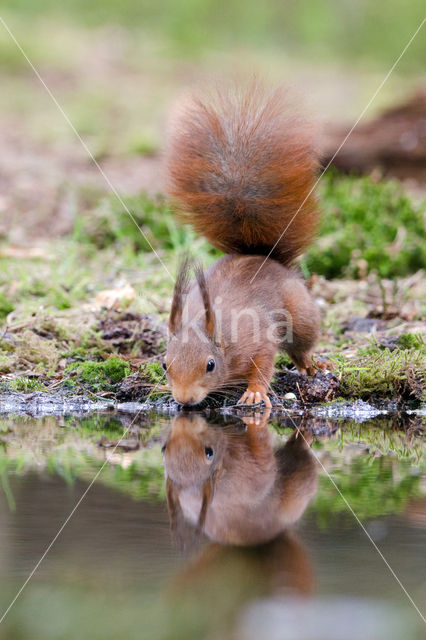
(221, 582)
(241, 170)
(240, 165)
(245, 500)
(248, 493)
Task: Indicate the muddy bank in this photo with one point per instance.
(40, 404)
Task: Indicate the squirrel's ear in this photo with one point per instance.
(208, 491)
(176, 517)
(181, 288)
(209, 317)
(184, 536)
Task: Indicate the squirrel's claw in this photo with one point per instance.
(258, 419)
(255, 397)
(325, 364)
(308, 365)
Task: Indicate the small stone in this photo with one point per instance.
(290, 396)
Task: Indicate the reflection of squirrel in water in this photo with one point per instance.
(231, 484)
(242, 171)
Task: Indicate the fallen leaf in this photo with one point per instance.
(114, 298)
(16, 251)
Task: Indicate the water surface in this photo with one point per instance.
(201, 528)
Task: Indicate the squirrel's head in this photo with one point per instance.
(193, 451)
(193, 459)
(194, 361)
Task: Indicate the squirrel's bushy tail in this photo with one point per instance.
(241, 170)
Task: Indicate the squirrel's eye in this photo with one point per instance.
(164, 365)
(163, 448)
(210, 366)
(209, 452)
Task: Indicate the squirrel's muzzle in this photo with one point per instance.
(189, 397)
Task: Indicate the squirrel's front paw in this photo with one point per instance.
(255, 396)
(257, 419)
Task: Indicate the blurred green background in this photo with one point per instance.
(117, 67)
(374, 32)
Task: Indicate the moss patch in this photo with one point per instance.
(109, 223)
(28, 351)
(98, 376)
(412, 341)
(384, 373)
(26, 385)
(6, 306)
(153, 372)
(367, 226)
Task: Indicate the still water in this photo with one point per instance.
(199, 528)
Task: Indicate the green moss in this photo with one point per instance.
(60, 299)
(52, 328)
(36, 287)
(376, 371)
(6, 306)
(26, 384)
(412, 341)
(6, 347)
(109, 223)
(153, 372)
(30, 351)
(98, 376)
(366, 226)
(152, 378)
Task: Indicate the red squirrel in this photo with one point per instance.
(232, 484)
(241, 170)
(243, 489)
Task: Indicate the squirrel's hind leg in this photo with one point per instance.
(303, 361)
(307, 364)
(305, 323)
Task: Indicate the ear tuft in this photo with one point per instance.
(180, 290)
(209, 318)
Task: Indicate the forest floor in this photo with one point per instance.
(83, 300)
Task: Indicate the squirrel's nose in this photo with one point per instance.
(186, 401)
(189, 397)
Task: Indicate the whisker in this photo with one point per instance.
(235, 385)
